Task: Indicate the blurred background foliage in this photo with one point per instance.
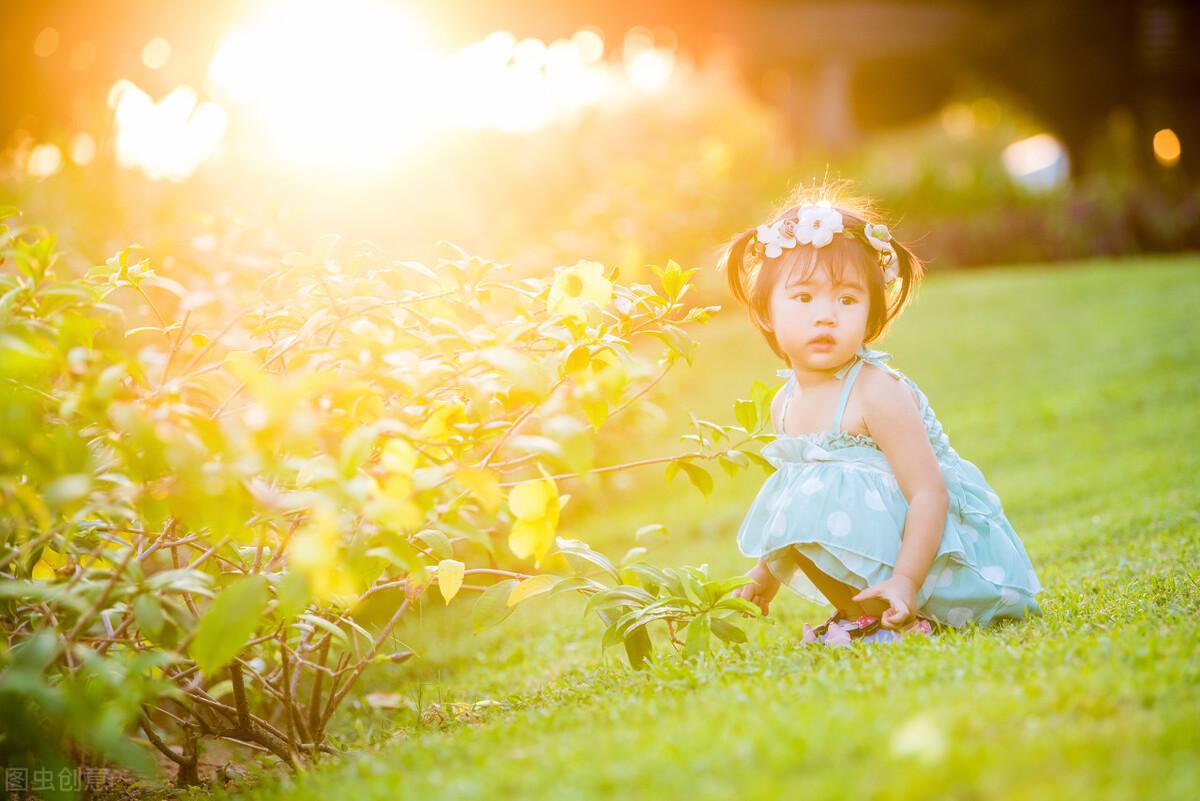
(541, 134)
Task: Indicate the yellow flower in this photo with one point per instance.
(535, 506)
(398, 457)
(440, 424)
(47, 566)
(575, 285)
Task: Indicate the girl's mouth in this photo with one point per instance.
(821, 343)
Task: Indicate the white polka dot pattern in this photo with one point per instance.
(993, 573)
(839, 524)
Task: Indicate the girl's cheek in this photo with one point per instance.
(790, 331)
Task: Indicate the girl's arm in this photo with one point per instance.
(893, 418)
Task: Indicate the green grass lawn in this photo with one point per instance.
(1076, 390)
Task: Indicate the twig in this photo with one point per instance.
(87, 616)
(335, 700)
(157, 741)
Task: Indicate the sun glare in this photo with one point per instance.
(343, 81)
(360, 82)
(168, 139)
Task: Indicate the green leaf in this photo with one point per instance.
(746, 414)
(149, 616)
(633, 555)
(492, 605)
(727, 631)
(293, 594)
(741, 605)
(575, 551)
(576, 359)
(637, 647)
(760, 394)
(612, 634)
(574, 583)
(677, 340)
(356, 447)
(698, 476)
(651, 577)
(437, 542)
(728, 585)
(692, 589)
(624, 595)
(653, 531)
(229, 623)
(596, 411)
(326, 626)
(697, 637)
(767, 467)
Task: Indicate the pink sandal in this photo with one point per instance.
(839, 630)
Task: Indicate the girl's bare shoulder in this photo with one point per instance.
(883, 387)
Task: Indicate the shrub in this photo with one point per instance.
(206, 477)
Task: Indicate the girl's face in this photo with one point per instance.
(819, 323)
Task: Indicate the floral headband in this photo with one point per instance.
(815, 225)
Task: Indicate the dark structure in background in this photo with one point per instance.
(839, 70)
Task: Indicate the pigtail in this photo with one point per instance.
(733, 262)
(911, 271)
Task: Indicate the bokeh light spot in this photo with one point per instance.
(83, 148)
(44, 160)
(1167, 148)
(156, 53)
(46, 43)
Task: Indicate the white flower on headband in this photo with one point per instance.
(817, 225)
(880, 238)
(878, 235)
(775, 237)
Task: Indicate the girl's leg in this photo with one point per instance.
(839, 594)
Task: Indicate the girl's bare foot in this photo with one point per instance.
(762, 590)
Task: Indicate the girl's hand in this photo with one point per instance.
(901, 594)
(762, 590)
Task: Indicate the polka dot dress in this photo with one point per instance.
(835, 499)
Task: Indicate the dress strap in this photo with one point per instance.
(848, 372)
(875, 357)
(849, 382)
(787, 397)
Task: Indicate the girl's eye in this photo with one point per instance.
(850, 298)
(803, 297)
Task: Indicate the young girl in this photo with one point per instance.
(870, 508)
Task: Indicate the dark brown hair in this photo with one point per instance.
(751, 276)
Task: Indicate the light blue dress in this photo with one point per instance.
(835, 498)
